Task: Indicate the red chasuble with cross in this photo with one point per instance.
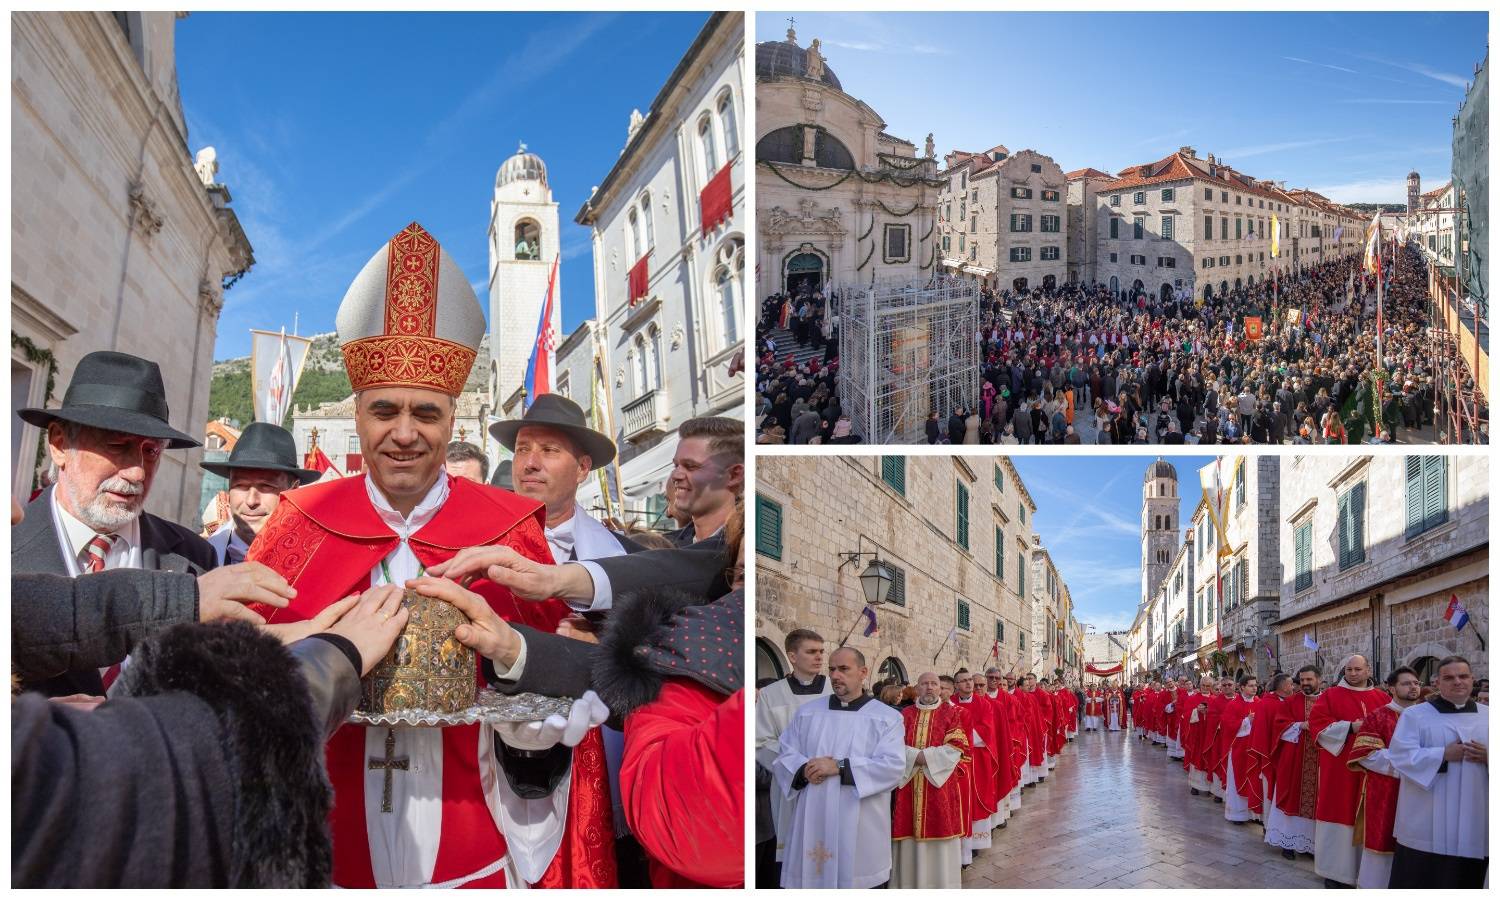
(983, 753)
(963, 776)
(1296, 762)
(326, 539)
(1376, 816)
(1263, 740)
(925, 811)
(1330, 723)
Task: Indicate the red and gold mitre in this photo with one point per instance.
(410, 319)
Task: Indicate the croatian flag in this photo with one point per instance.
(1309, 643)
(539, 369)
(869, 616)
(1456, 615)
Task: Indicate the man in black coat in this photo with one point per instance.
(106, 442)
(956, 427)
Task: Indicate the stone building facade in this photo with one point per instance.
(955, 533)
(1082, 225)
(1197, 227)
(118, 240)
(1003, 219)
(1373, 549)
(1431, 227)
(1249, 578)
(839, 202)
(670, 347)
(1055, 643)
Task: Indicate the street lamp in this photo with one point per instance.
(876, 580)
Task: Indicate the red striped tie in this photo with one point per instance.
(93, 561)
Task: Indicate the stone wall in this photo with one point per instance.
(831, 505)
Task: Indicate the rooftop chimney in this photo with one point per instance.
(1189, 152)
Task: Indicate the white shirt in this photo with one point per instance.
(73, 537)
(1443, 811)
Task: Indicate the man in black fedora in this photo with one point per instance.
(555, 451)
(105, 442)
(261, 466)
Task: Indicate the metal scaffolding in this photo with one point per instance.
(906, 349)
(1459, 335)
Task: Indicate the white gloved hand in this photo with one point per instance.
(588, 712)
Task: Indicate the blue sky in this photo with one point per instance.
(1343, 103)
(1089, 517)
(333, 131)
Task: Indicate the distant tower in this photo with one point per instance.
(523, 243)
(1413, 192)
(1159, 506)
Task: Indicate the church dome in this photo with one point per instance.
(784, 59)
(1161, 469)
(522, 167)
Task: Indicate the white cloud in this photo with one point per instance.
(1370, 190)
(1324, 65)
(1262, 149)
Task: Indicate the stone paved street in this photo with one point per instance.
(1116, 813)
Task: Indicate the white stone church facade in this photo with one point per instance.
(118, 242)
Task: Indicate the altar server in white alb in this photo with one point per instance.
(777, 703)
(1441, 751)
(839, 762)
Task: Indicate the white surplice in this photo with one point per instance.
(840, 835)
(775, 705)
(1444, 811)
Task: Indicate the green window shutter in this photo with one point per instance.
(1021, 571)
(1244, 580)
(767, 527)
(1435, 491)
(999, 631)
(897, 593)
(1343, 520)
(893, 472)
(962, 511)
(1021, 636)
(1415, 496)
(1304, 557)
(1357, 519)
(963, 615)
(999, 481)
(999, 553)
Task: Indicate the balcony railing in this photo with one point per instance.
(645, 415)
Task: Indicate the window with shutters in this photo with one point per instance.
(1212, 598)
(999, 553)
(963, 614)
(1051, 224)
(1021, 574)
(1208, 227)
(961, 514)
(1114, 228)
(1302, 540)
(1244, 580)
(1352, 527)
(1021, 512)
(1167, 227)
(767, 527)
(999, 631)
(999, 480)
(897, 593)
(1138, 228)
(1168, 195)
(1021, 638)
(1239, 486)
(1426, 493)
(893, 472)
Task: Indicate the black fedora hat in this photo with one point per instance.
(557, 411)
(115, 392)
(263, 446)
(500, 478)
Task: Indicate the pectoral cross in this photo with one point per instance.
(819, 855)
(390, 764)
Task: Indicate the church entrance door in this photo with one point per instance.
(804, 274)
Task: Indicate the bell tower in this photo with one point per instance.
(1413, 193)
(523, 243)
(1159, 525)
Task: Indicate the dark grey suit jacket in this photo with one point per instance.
(165, 547)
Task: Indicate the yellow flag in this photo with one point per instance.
(1275, 235)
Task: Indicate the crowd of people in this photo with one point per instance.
(181, 701)
(902, 787)
(1383, 785)
(1082, 364)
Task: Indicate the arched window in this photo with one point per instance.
(528, 236)
(728, 126)
(710, 152)
(638, 355)
(648, 230)
(634, 226)
(1169, 521)
(655, 370)
(1158, 523)
(727, 274)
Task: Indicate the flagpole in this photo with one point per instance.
(1474, 625)
(850, 633)
(609, 420)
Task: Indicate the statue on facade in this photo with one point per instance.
(206, 164)
(931, 149)
(815, 60)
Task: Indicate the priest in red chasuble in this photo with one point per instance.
(1335, 721)
(1005, 766)
(469, 805)
(1375, 823)
(1241, 776)
(1195, 733)
(985, 764)
(1289, 820)
(1263, 740)
(928, 825)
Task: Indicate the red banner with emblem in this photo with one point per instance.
(1115, 669)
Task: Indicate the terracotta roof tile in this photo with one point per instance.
(1087, 173)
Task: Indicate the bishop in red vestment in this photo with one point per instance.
(1335, 720)
(453, 806)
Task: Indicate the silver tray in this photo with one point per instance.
(490, 707)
